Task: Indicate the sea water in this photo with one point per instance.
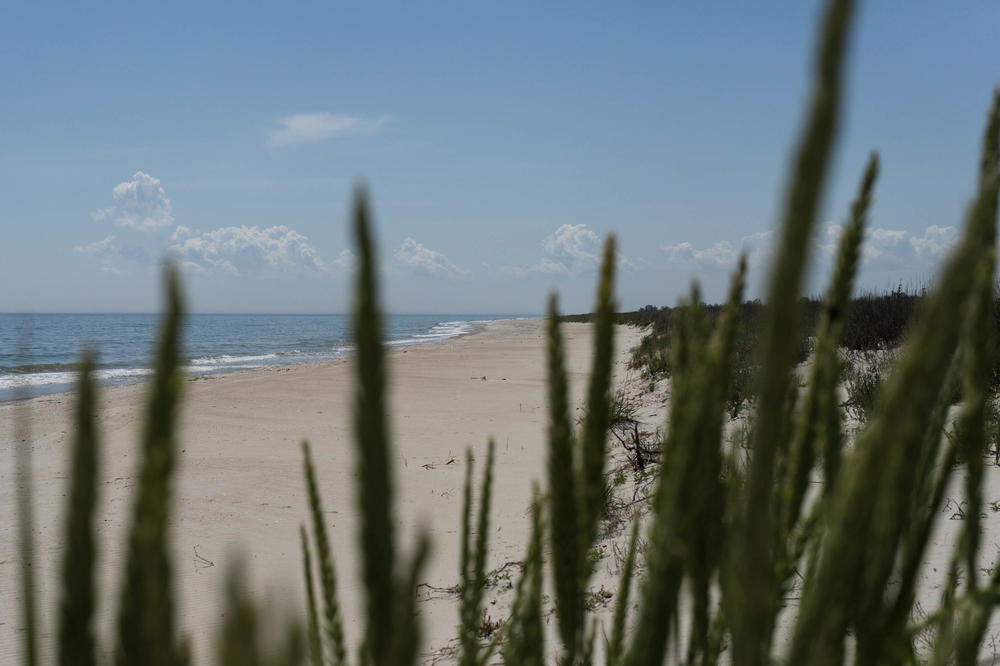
(39, 352)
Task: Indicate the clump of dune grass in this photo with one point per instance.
(731, 529)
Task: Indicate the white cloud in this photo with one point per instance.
(243, 249)
(935, 242)
(142, 209)
(306, 127)
(140, 203)
(425, 260)
(572, 248)
(878, 245)
(546, 265)
(345, 261)
(193, 268)
(719, 256)
(882, 244)
(893, 248)
(100, 247)
(106, 250)
(574, 242)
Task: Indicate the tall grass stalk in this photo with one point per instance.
(750, 580)
(526, 631)
(576, 463)
(77, 646)
(870, 507)
(818, 422)
(728, 533)
(146, 631)
(473, 564)
(315, 643)
(332, 624)
(375, 491)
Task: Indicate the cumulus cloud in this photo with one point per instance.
(307, 127)
(889, 248)
(425, 260)
(722, 255)
(140, 203)
(143, 214)
(935, 242)
(572, 248)
(574, 242)
(241, 249)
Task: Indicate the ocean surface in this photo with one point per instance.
(38, 352)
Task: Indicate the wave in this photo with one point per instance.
(20, 380)
(437, 333)
(226, 359)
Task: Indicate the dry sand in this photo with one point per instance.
(239, 486)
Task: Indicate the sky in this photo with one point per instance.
(500, 144)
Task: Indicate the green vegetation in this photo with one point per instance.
(731, 529)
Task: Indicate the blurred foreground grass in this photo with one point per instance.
(726, 535)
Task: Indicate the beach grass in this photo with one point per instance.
(846, 520)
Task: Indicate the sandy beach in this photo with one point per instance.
(239, 486)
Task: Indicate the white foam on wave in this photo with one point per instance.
(12, 381)
(438, 332)
(226, 359)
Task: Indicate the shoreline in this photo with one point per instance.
(239, 487)
(190, 366)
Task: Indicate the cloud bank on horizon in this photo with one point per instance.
(144, 232)
(147, 235)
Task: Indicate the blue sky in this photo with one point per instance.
(500, 141)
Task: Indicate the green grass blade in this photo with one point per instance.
(979, 361)
(315, 643)
(824, 376)
(565, 532)
(375, 491)
(526, 632)
(483, 529)
(237, 643)
(333, 625)
(614, 648)
(595, 428)
(405, 646)
(473, 562)
(870, 510)
(751, 573)
(467, 629)
(146, 623)
(669, 545)
(77, 646)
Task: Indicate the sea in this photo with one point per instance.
(39, 352)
